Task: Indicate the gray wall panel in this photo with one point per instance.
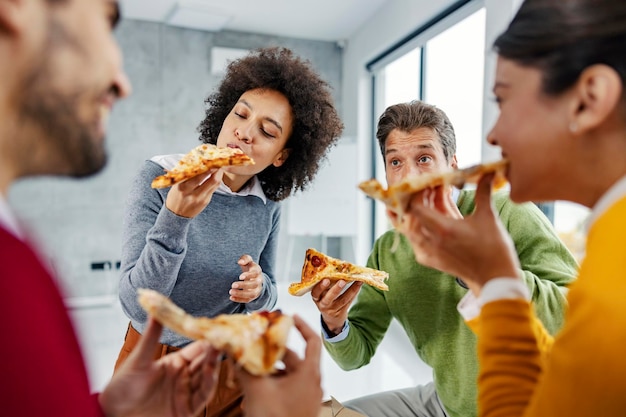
(79, 222)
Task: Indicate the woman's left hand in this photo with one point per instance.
(250, 283)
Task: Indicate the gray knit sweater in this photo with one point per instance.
(194, 261)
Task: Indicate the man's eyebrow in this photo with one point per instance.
(390, 150)
(420, 146)
(269, 119)
(426, 146)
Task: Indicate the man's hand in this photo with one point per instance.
(177, 385)
(333, 304)
(296, 391)
(250, 283)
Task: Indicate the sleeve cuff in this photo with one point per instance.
(496, 289)
(338, 338)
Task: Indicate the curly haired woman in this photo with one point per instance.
(209, 243)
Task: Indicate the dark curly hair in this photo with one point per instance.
(316, 127)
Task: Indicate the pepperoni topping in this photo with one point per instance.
(316, 261)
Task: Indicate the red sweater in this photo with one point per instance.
(41, 365)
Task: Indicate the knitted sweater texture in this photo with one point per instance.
(424, 300)
(194, 261)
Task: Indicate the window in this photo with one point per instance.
(397, 82)
(444, 66)
(569, 221)
(454, 78)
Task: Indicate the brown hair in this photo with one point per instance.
(563, 37)
(413, 115)
(316, 125)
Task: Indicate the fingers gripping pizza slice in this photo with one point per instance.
(198, 161)
(318, 266)
(255, 341)
(398, 196)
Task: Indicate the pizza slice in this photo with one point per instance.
(397, 196)
(318, 266)
(198, 161)
(255, 341)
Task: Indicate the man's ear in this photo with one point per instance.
(281, 157)
(597, 94)
(12, 15)
(453, 162)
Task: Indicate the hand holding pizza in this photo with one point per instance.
(333, 302)
(250, 283)
(179, 383)
(476, 249)
(295, 391)
(190, 197)
(439, 197)
(326, 278)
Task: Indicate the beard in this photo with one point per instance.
(63, 143)
(69, 145)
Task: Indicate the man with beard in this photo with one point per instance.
(60, 75)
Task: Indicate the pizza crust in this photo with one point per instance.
(318, 266)
(255, 341)
(398, 196)
(199, 160)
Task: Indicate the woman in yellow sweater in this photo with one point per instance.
(560, 84)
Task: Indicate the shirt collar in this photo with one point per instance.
(253, 188)
(617, 191)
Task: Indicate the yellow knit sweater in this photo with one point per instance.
(583, 371)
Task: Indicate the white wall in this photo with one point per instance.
(499, 13)
(394, 21)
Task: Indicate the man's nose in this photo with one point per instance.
(121, 85)
(413, 170)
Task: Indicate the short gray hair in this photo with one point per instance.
(414, 115)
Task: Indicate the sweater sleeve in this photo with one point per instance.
(547, 265)
(368, 320)
(154, 243)
(269, 294)
(583, 375)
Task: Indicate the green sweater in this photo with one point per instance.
(424, 300)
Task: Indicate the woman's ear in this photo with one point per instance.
(281, 157)
(598, 93)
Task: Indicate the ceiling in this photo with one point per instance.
(325, 20)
